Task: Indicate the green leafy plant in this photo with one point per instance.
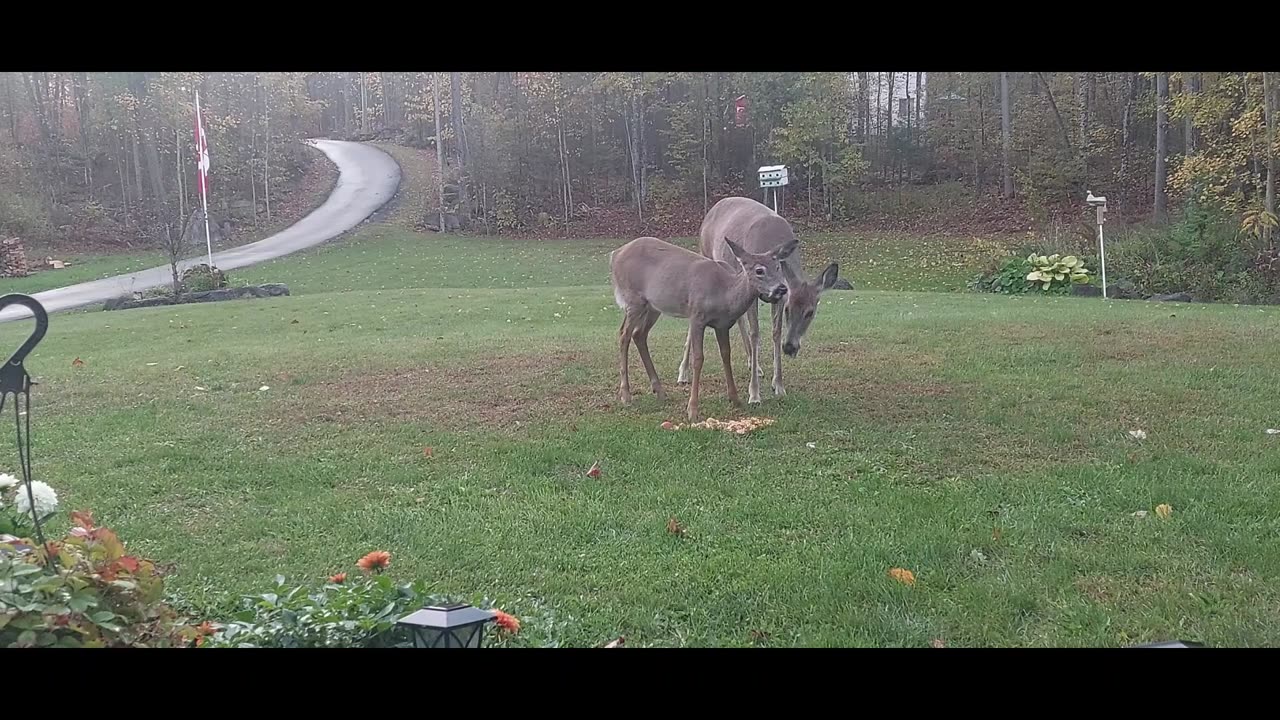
(94, 595)
(355, 611)
(1008, 277)
(1055, 270)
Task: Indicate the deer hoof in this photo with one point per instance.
(625, 397)
(682, 381)
(753, 400)
(660, 394)
(779, 390)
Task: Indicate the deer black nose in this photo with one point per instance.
(790, 349)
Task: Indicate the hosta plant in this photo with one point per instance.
(1056, 271)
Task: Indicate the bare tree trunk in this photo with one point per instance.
(919, 100)
(1082, 103)
(1006, 132)
(253, 183)
(13, 109)
(182, 187)
(364, 105)
(1160, 209)
(864, 104)
(888, 129)
(1269, 113)
(706, 124)
(1126, 131)
(82, 115)
(463, 149)
(137, 164)
(435, 102)
(266, 157)
(1190, 86)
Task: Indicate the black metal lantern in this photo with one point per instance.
(457, 625)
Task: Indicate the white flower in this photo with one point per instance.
(46, 499)
(7, 481)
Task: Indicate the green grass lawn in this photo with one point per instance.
(82, 269)
(980, 442)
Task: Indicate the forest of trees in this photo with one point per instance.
(112, 151)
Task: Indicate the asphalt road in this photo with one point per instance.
(367, 179)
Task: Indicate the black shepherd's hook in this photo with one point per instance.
(14, 379)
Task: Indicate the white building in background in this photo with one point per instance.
(909, 90)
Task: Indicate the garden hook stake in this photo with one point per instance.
(14, 379)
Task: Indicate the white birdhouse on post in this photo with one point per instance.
(773, 177)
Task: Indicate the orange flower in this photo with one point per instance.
(906, 577)
(204, 630)
(338, 579)
(506, 621)
(376, 561)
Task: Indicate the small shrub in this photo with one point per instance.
(94, 595)
(1008, 276)
(201, 278)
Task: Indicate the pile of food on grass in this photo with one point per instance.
(741, 426)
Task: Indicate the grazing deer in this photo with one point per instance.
(758, 229)
(651, 277)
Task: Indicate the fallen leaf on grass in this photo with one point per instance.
(1164, 511)
(427, 451)
(293, 321)
(77, 363)
(906, 577)
(995, 534)
(619, 642)
(938, 643)
(759, 636)
(594, 472)
(202, 389)
(978, 557)
(1273, 431)
(1138, 434)
(1140, 514)
(152, 364)
(666, 425)
(675, 528)
(264, 388)
(811, 445)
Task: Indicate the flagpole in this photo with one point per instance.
(204, 181)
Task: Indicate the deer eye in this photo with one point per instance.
(760, 271)
(808, 315)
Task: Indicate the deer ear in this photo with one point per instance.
(829, 276)
(787, 249)
(735, 248)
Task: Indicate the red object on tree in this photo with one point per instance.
(740, 111)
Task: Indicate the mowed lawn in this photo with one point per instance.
(980, 442)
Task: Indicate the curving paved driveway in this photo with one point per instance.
(367, 179)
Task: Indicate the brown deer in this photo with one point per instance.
(758, 229)
(651, 277)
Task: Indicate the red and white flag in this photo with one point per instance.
(202, 153)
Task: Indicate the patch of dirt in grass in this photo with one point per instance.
(493, 393)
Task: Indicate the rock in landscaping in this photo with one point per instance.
(1086, 290)
(1124, 290)
(257, 291)
(1174, 297)
(842, 284)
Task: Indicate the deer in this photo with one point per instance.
(758, 229)
(651, 278)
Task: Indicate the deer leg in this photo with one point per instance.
(642, 344)
(777, 351)
(751, 336)
(722, 339)
(683, 379)
(624, 347)
(696, 331)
